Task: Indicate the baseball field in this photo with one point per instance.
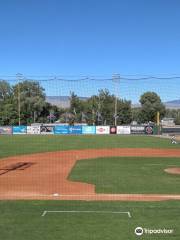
(89, 187)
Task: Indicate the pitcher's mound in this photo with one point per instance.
(173, 170)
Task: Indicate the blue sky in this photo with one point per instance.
(90, 37)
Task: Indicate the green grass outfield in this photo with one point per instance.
(22, 220)
(26, 144)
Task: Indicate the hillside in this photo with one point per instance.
(61, 101)
(64, 102)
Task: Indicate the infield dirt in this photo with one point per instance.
(49, 172)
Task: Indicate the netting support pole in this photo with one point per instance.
(19, 77)
(116, 79)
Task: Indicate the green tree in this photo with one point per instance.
(77, 107)
(136, 114)
(8, 116)
(33, 105)
(106, 107)
(100, 109)
(124, 112)
(32, 100)
(91, 109)
(5, 91)
(8, 112)
(173, 113)
(150, 105)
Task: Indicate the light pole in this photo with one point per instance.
(116, 80)
(19, 78)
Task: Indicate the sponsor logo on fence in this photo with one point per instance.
(123, 130)
(75, 129)
(113, 130)
(47, 129)
(6, 130)
(88, 129)
(149, 129)
(138, 129)
(63, 129)
(102, 129)
(19, 129)
(33, 129)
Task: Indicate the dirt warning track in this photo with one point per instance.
(46, 176)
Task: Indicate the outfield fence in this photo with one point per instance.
(78, 130)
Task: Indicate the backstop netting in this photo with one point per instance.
(129, 87)
(59, 89)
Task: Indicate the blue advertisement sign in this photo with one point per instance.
(63, 129)
(19, 129)
(75, 129)
(88, 130)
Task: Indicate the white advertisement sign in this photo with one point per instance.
(123, 130)
(33, 129)
(102, 130)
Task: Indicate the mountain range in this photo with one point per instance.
(64, 102)
(61, 101)
(174, 104)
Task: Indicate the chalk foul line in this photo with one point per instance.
(76, 211)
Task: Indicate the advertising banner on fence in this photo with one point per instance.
(171, 130)
(149, 130)
(123, 130)
(19, 129)
(75, 129)
(113, 129)
(6, 130)
(102, 129)
(63, 129)
(47, 129)
(138, 129)
(88, 129)
(33, 129)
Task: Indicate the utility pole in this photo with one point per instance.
(116, 80)
(19, 78)
(98, 112)
(34, 116)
